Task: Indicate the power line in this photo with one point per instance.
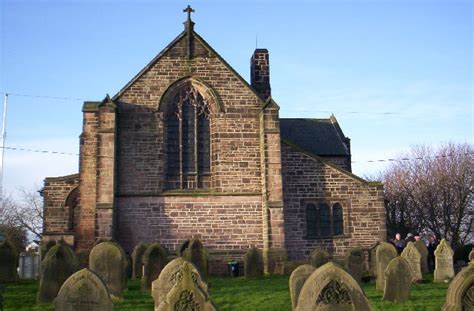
(44, 96)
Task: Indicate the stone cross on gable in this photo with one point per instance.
(189, 10)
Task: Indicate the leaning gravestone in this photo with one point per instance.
(137, 263)
(385, 253)
(83, 290)
(253, 263)
(108, 261)
(373, 259)
(460, 294)
(331, 288)
(186, 294)
(397, 280)
(198, 255)
(444, 269)
(297, 279)
(413, 256)
(423, 250)
(154, 260)
(319, 257)
(355, 263)
(168, 278)
(58, 264)
(8, 261)
(45, 247)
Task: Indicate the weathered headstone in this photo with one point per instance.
(84, 290)
(182, 248)
(385, 253)
(297, 279)
(198, 255)
(397, 280)
(444, 269)
(168, 277)
(45, 247)
(471, 256)
(413, 257)
(8, 261)
(137, 263)
(319, 257)
(355, 263)
(460, 293)
(423, 250)
(331, 288)
(154, 259)
(58, 264)
(186, 294)
(108, 261)
(253, 263)
(373, 259)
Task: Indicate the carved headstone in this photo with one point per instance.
(444, 269)
(373, 259)
(423, 250)
(83, 290)
(253, 263)
(411, 254)
(331, 288)
(107, 260)
(186, 294)
(8, 261)
(385, 253)
(58, 264)
(198, 255)
(319, 257)
(460, 294)
(137, 262)
(297, 279)
(154, 260)
(397, 280)
(355, 263)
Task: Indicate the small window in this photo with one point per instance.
(337, 219)
(312, 220)
(324, 221)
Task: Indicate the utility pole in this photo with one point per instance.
(4, 137)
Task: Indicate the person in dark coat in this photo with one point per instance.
(410, 238)
(432, 244)
(399, 243)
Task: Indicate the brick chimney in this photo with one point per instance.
(260, 72)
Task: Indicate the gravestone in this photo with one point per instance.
(355, 263)
(397, 280)
(45, 247)
(84, 290)
(168, 277)
(373, 259)
(8, 261)
(460, 293)
(331, 288)
(385, 253)
(423, 250)
(319, 257)
(297, 279)
(58, 264)
(444, 269)
(471, 256)
(253, 263)
(413, 257)
(108, 261)
(182, 248)
(186, 294)
(137, 263)
(198, 255)
(154, 259)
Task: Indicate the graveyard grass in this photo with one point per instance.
(265, 293)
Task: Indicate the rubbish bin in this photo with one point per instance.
(233, 268)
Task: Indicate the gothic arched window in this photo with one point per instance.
(322, 221)
(188, 141)
(337, 219)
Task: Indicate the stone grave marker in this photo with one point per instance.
(385, 253)
(444, 269)
(198, 255)
(471, 256)
(84, 290)
(397, 280)
(355, 263)
(331, 288)
(297, 279)
(8, 261)
(423, 250)
(154, 259)
(460, 293)
(373, 259)
(58, 264)
(137, 263)
(107, 260)
(45, 247)
(182, 248)
(319, 257)
(413, 257)
(253, 263)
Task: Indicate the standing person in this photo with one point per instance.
(432, 244)
(417, 237)
(410, 238)
(399, 243)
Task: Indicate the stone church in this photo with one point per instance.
(188, 148)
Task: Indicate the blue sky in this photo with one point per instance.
(395, 73)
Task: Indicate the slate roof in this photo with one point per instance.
(322, 137)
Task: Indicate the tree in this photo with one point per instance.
(432, 191)
(9, 228)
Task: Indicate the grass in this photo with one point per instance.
(267, 293)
